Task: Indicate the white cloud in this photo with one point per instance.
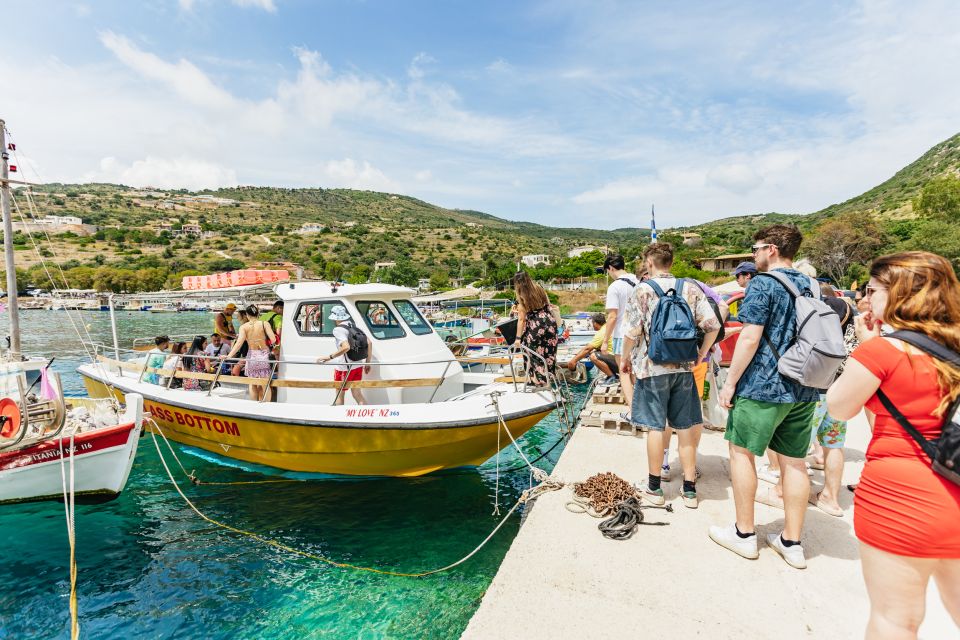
(351, 174)
(183, 77)
(423, 176)
(266, 5)
(735, 177)
(166, 173)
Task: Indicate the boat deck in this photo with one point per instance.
(562, 579)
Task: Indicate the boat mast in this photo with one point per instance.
(12, 307)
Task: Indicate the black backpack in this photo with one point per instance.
(359, 344)
(944, 452)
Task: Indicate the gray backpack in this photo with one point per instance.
(817, 351)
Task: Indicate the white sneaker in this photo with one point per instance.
(727, 537)
(767, 474)
(792, 554)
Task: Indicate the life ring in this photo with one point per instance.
(11, 411)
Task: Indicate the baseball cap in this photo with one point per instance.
(230, 307)
(745, 267)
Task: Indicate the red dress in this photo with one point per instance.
(901, 506)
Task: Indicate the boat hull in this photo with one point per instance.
(102, 460)
(362, 449)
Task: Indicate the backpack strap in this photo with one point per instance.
(784, 280)
(928, 447)
(678, 287)
(656, 288)
(628, 281)
(929, 345)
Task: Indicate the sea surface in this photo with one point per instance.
(149, 567)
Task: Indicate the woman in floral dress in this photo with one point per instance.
(536, 329)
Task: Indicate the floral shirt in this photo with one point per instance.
(768, 303)
(639, 313)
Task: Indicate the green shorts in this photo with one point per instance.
(781, 427)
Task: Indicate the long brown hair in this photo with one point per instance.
(530, 295)
(923, 295)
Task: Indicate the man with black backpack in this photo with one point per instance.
(352, 346)
(661, 348)
(772, 389)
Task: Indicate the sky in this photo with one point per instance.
(558, 112)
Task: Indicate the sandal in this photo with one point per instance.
(769, 497)
(823, 506)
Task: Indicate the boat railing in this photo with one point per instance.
(134, 361)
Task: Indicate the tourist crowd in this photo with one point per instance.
(805, 362)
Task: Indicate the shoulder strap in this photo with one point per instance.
(784, 280)
(656, 288)
(678, 287)
(928, 345)
(628, 281)
(926, 445)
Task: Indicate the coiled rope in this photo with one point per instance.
(525, 497)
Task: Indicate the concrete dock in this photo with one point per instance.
(562, 579)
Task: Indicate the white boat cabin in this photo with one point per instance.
(404, 346)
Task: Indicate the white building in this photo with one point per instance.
(579, 251)
(535, 259)
(312, 227)
(383, 265)
(59, 220)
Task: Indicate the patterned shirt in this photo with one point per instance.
(769, 304)
(639, 313)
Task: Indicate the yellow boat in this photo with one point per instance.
(422, 412)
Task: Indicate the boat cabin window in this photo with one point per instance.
(313, 318)
(411, 315)
(380, 320)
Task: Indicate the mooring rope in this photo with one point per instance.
(525, 497)
(69, 500)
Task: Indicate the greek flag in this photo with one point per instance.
(653, 226)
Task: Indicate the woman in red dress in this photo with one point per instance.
(906, 517)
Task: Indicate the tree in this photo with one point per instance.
(937, 236)
(360, 274)
(940, 198)
(403, 274)
(844, 241)
(439, 279)
(333, 270)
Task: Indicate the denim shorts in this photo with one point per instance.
(617, 345)
(671, 397)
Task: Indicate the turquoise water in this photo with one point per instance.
(151, 568)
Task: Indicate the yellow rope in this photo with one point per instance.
(524, 497)
(68, 507)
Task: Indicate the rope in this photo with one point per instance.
(68, 507)
(627, 518)
(525, 497)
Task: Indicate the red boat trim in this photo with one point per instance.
(49, 450)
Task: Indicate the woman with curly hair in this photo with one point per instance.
(906, 516)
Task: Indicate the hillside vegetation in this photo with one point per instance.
(140, 243)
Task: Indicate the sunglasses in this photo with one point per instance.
(757, 247)
(870, 290)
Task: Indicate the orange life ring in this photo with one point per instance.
(11, 411)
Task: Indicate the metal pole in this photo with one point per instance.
(12, 307)
(113, 326)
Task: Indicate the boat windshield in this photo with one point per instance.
(381, 321)
(408, 311)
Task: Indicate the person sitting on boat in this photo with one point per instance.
(259, 337)
(223, 324)
(604, 362)
(156, 358)
(345, 369)
(195, 362)
(174, 362)
(215, 347)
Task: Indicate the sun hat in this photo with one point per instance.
(230, 307)
(339, 314)
(745, 267)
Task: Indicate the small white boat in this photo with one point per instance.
(36, 435)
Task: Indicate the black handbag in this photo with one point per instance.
(944, 452)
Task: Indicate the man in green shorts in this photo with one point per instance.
(766, 409)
